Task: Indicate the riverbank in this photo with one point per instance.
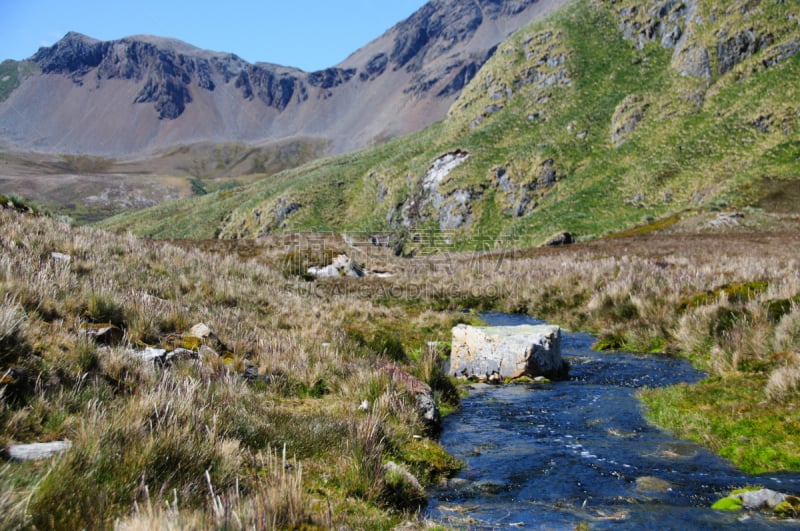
(578, 454)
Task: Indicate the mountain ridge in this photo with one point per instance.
(396, 84)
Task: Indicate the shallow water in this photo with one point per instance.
(555, 455)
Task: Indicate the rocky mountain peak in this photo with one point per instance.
(408, 78)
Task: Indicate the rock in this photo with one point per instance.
(36, 451)
(691, 59)
(757, 500)
(726, 219)
(182, 354)
(426, 403)
(733, 50)
(507, 351)
(565, 238)
(627, 116)
(153, 354)
(651, 484)
(452, 209)
(781, 53)
(342, 266)
(105, 334)
(205, 350)
(760, 500)
(201, 331)
(60, 257)
(201, 336)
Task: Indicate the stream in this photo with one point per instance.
(555, 455)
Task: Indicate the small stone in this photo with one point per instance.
(201, 331)
(152, 354)
(205, 350)
(60, 257)
(364, 406)
(36, 451)
(564, 238)
(105, 334)
(650, 484)
(761, 499)
(342, 266)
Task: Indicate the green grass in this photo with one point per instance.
(9, 78)
(733, 418)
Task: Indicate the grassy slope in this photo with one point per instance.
(174, 429)
(9, 78)
(705, 153)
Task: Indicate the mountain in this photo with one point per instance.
(606, 116)
(142, 94)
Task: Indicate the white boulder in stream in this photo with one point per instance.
(492, 353)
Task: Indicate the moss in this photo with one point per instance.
(526, 380)
(728, 504)
(400, 492)
(737, 293)
(790, 508)
(609, 341)
(777, 308)
(428, 460)
(749, 488)
(192, 343)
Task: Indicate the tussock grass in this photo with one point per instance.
(148, 435)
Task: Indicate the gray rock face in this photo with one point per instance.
(672, 23)
(489, 353)
(451, 208)
(735, 49)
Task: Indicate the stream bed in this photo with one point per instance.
(551, 456)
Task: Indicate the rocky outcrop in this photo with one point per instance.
(519, 194)
(673, 24)
(451, 208)
(781, 53)
(733, 49)
(491, 353)
(626, 117)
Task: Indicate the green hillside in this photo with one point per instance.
(605, 116)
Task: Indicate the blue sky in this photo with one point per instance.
(308, 34)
